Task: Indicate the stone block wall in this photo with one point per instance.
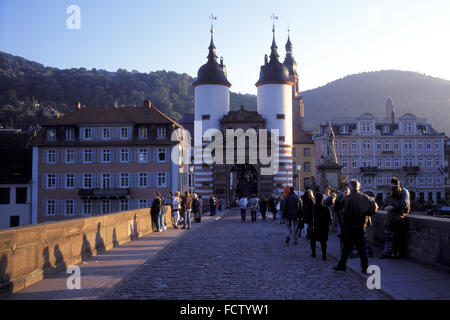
(428, 238)
(29, 254)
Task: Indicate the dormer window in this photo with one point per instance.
(385, 129)
(161, 133)
(106, 133)
(124, 133)
(427, 129)
(143, 133)
(86, 134)
(366, 127)
(344, 129)
(70, 134)
(407, 127)
(51, 134)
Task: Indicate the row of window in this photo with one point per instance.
(123, 133)
(106, 180)
(71, 208)
(383, 145)
(89, 156)
(367, 127)
(392, 163)
(386, 180)
(306, 152)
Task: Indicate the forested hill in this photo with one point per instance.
(25, 84)
(421, 95)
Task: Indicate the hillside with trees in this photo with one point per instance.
(31, 93)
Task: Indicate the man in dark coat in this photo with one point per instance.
(263, 207)
(322, 218)
(212, 205)
(155, 211)
(292, 213)
(355, 208)
(188, 210)
(273, 206)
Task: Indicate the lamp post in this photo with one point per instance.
(181, 171)
(191, 179)
(298, 167)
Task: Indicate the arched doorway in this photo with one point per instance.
(243, 182)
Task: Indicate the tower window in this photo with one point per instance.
(206, 117)
(282, 139)
(281, 116)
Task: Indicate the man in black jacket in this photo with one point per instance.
(292, 212)
(354, 208)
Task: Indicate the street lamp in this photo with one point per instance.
(181, 171)
(298, 167)
(191, 179)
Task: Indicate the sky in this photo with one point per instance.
(331, 38)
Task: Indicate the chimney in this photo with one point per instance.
(147, 103)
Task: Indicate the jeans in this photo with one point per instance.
(243, 214)
(354, 236)
(176, 217)
(187, 219)
(292, 225)
(253, 214)
(159, 218)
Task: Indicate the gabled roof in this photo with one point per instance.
(109, 115)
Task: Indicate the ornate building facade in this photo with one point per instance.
(374, 150)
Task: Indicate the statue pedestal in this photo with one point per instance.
(329, 175)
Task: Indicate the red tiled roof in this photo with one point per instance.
(109, 115)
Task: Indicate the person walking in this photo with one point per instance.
(280, 207)
(196, 209)
(322, 218)
(156, 211)
(221, 205)
(212, 205)
(176, 207)
(292, 212)
(354, 207)
(243, 203)
(308, 212)
(253, 203)
(273, 206)
(263, 207)
(188, 210)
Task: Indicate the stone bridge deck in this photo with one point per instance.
(226, 259)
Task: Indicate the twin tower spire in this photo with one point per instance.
(271, 72)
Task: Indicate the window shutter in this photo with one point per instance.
(149, 180)
(149, 154)
(136, 179)
(168, 184)
(44, 181)
(118, 154)
(44, 156)
(99, 181)
(111, 155)
(155, 155)
(44, 208)
(80, 154)
(167, 155)
(63, 155)
(155, 180)
(75, 180)
(57, 156)
(75, 154)
(99, 157)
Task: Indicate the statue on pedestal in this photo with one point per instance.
(330, 155)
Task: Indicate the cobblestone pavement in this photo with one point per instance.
(231, 260)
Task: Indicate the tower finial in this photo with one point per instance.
(274, 52)
(212, 17)
(274, 17)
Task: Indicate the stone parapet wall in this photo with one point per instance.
(428, 238)
(29, 254)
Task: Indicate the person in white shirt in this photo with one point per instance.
(176, 207)
(243, 203)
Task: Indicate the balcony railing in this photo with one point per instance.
(104, 193)
(369, 169)
(412, 169)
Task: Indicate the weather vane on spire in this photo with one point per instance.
(212, 17)
(274, 17)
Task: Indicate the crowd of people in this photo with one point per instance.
(312, 214)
